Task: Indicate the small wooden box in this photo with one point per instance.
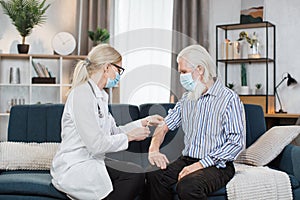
(43, 80)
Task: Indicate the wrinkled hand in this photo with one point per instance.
(138, 134)
(158, 159)
(154, 120)
(189, 169)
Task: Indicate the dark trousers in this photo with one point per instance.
(128, 180)
(196, 185)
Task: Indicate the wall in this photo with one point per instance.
(285, 15)
(61, 16)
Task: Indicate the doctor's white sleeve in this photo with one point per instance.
(125, 128)
(96, 139)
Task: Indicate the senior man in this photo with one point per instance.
(211, 116)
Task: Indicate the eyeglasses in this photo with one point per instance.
(120, 69)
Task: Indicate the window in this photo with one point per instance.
(143, 35)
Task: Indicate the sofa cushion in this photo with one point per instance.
(124, 113)
(35, 123)
(173, 143)
(36, 183)
(294, 181)
(219, 192)
(15, 197)
(255, 123)
(288, 161)
(162, 110)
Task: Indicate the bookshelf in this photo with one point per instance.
(27, 92)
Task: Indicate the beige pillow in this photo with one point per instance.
(268, 146)
(27, 156)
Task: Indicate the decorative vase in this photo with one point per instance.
(236, 47)
(23, 48)
(244, 45)
(14, 75)
(244, 90)
(258, 91)
(254, 51)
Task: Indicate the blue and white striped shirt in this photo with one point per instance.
(213, 125)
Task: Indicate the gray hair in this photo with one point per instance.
(196, 55)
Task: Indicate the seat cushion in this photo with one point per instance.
(220, 192)
(16, 197)
(35, 183)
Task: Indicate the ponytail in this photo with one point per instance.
(80, 74)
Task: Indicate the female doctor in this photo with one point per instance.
(89, 131)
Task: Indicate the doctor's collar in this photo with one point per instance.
(98, 93)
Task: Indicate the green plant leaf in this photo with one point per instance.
(99, 35)
(25, 14)
(243, 74)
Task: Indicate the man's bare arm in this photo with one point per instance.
(155, 157)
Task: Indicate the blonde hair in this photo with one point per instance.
(197, 55)
(99, 56)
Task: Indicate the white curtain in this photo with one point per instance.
(143, 35)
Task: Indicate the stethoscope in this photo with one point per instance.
(100, 114)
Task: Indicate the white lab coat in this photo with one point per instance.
(78, 167)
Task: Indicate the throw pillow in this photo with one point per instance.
(27, 156)
(268, 146)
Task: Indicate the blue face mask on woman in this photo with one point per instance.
(112, 82)
(187, 81)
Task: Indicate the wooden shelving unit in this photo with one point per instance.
(267, 100)
(26, 92)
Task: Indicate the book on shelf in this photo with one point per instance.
(41, 70)
(44, 70)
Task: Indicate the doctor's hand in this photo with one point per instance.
(153, 120)
(158, 159)
(138, 134)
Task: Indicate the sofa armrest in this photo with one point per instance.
(288, 161)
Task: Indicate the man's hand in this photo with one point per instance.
(189, 169)
(158, 159)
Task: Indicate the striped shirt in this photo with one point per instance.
(213, 125)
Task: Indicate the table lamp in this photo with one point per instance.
(290, 81)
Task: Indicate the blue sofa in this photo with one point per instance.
(41, 123)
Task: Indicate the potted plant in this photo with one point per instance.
(25, 15)
(99, 36)
(230, 86)
(245, 89)
(253, 43)
(258, 87)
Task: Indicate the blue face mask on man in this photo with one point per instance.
(187, 81)
(113, 82)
